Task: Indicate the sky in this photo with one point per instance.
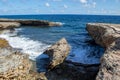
(97, 7)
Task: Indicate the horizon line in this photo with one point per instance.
(60, 14)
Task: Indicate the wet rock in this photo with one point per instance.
(58, 52)
(66, 70)
(108, 36)
(70, 71)
(4, 43)
(33, 67)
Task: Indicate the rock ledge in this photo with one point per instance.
(108, 36)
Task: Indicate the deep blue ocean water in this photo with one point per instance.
(73, 29)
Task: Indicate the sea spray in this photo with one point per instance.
(26, 45)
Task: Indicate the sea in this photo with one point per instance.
(34, 40)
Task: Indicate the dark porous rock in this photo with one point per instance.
(108, 36)
(58, 52)
(70, 71)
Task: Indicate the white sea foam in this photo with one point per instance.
(28, 46)
(36, 48)
(80, 55)
(60, 23)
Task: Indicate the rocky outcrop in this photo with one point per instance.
(31, 22)
(58, 52)
(61, 69)
(108, 36)
(73, 71)
(8, 25)
(15, 65)
(104, 34)
(4, 43)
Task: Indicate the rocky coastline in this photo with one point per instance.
(28, 22)
(108, 36)
(15, 65)
(9, 25)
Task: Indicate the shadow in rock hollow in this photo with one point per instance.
(42, 62)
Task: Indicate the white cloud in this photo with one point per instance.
(65, 6)
(47, 4)
(90, 5)
(83, 1)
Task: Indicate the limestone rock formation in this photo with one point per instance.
(103, 33)
(4, 43)
(15, 65)
(66, 70)
(108, 36)
(8, 25)
(31, 22)
(73, 71)
(58, 52)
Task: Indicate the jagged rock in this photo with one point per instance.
(58, 52)
(13, 64)
(108, 36)
(103, 33)
(67, 70)
(8, 25)
(73, 71)
(16, 65)
(31, 22)
(4, 43)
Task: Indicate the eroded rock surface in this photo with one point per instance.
(8, 25)
(73, 71)
(61, 69)
(31, 22)
(103, 33)
(58, 52)
(108, 36)
(15, 65)
(4, 43)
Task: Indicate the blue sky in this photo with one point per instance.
(99, 7)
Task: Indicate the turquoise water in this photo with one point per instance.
(35, 40)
